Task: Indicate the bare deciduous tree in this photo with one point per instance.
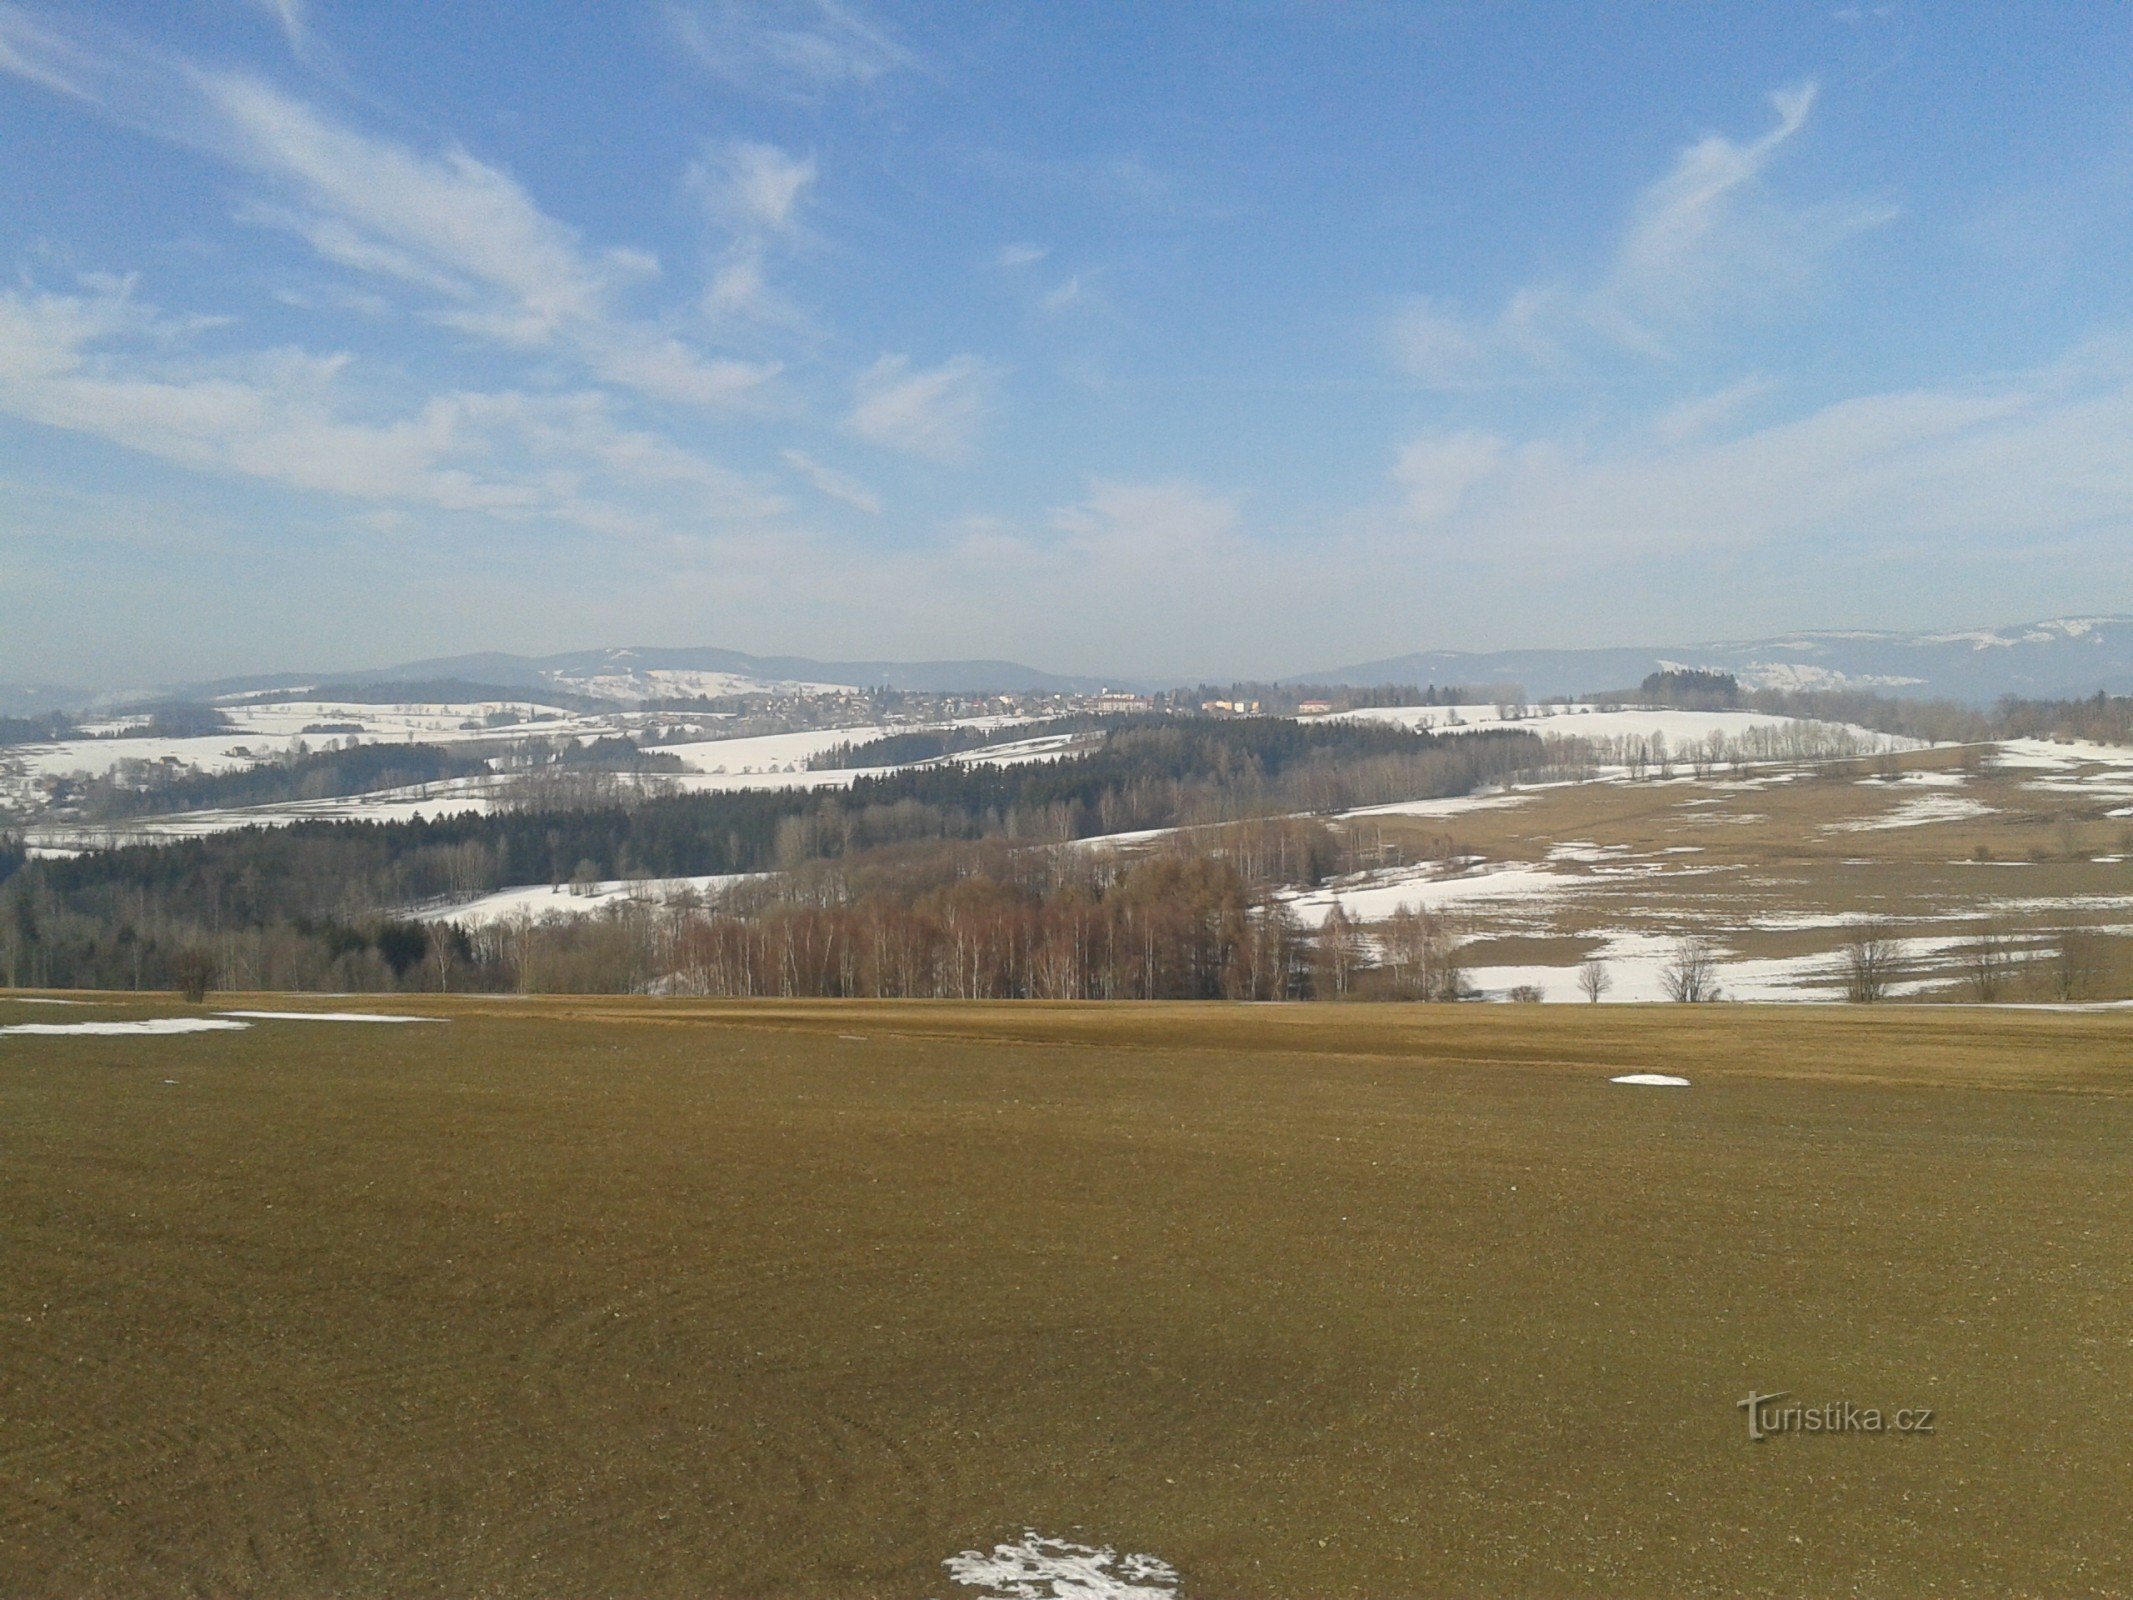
(1593, 979)
(1340, 953)
(2077, 964)
(194, 969)
(1870, 959)
(1421, 956)
(1990, 965)
(1691, 973)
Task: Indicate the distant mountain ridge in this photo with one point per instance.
(648, 673)
(2061, 658)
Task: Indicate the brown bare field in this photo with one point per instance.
(645, 1298)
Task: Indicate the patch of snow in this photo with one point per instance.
(1682, 729)
(538, 902)
(1376, 896)
(449, 797)
(1585, 851)
(2048, 754)
(1917, 812)
(145, 1025)
(1450, 806)
(324, 1016)
(1656, 1080)
(785, 755)
(1041, 1568)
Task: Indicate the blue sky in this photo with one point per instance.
(1153, 339)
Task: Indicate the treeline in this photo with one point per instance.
(2107, 719)
(1692, 688)
(1654, 755)
(116, 917)
(37, 730)
(2104, 718)
(170, 719)
(1200, 919)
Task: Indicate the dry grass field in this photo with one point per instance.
(643, 1298)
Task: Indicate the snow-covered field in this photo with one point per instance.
(1636, 964)
(1916, 811)
(713, 766)
(1680, 729)
(537, 902)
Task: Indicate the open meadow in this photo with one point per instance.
(657, 1298)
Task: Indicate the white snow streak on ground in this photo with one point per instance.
(1039, 1568)
(265, 731)
(714, 766)
(787, 754)
(1655, 1080)
(1586, 853)
(763, 753)
(1916, 811)
(2045, 755)
(1454, 805)
(539, 901)
(1681, 729)
(1379, 895)
(1021, 751)
(450, 797)
(147, 1025)
(324, 1016)
(1637, 963)
(1374, 896)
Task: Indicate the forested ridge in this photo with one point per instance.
(322, 903)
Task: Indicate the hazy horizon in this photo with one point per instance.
(1167, 345)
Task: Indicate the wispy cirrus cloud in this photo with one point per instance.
(1705, 244)
(1703, 414)
(1435, 473)
(754, 187)
(469, 232)
(1981, 471)
(836, 485)
(103, 364)
(934, 412)
(457, 230)
(1015, 256)
(293, 18)
(789, 49)
(753, 193)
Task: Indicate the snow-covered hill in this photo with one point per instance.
(2065, 656)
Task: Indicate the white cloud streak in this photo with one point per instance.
(101, 364)
(934, 412)
(798, 50)
(290, 16)
(450, 226)
(1989, 468)
(1704, 246)
(832, 483)
(755, 193)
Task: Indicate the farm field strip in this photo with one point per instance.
(600, 1295)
